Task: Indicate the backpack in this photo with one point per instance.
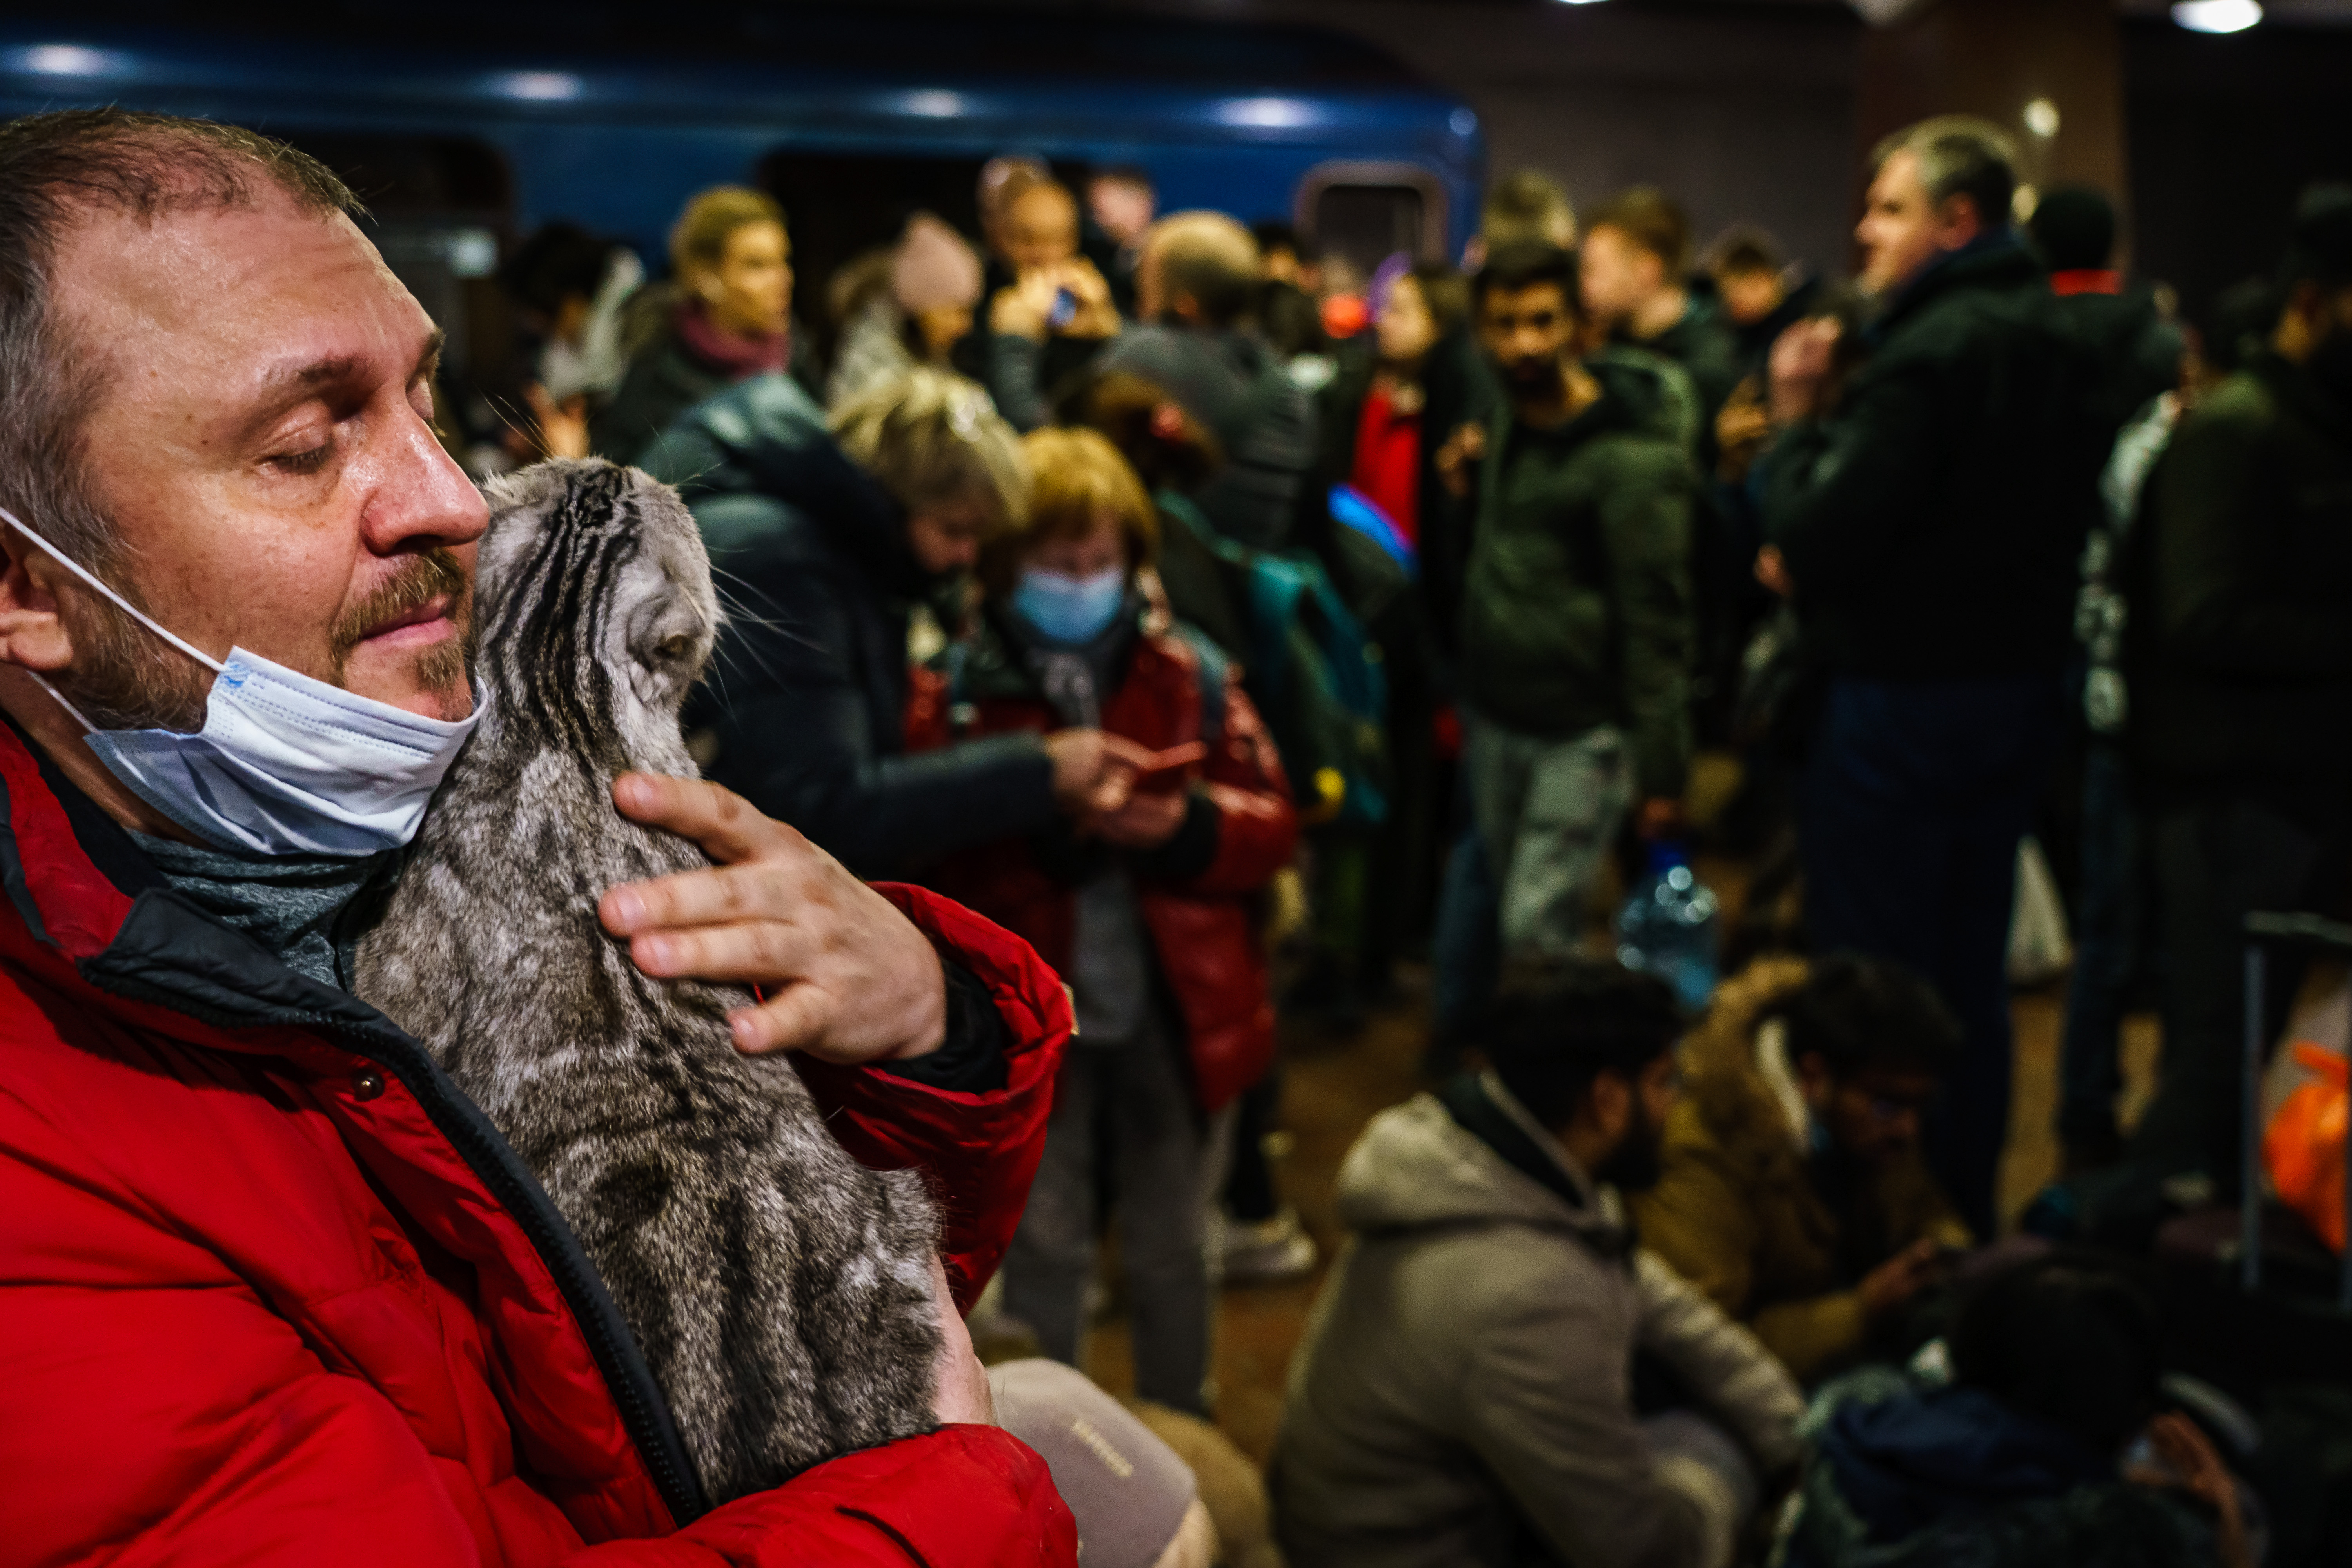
(1312, 671)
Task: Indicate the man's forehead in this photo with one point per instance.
(261, 284)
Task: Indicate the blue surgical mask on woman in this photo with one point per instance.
(1069, 610)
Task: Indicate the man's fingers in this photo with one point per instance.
(793, 1019)
(716, 897)
(748, 953)
(718, 819)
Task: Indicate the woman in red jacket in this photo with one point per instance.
(1149, 913)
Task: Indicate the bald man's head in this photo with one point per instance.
(1199, 267)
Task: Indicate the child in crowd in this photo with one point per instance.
(1149, 910)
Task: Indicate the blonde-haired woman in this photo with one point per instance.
(724, 316)
(825, 541)
(1149, 910)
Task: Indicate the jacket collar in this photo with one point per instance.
(1486, 1109)
(1995, 260)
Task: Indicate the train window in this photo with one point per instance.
(440, 209)
(1362, 214)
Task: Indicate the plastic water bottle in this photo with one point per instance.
(1667, 927)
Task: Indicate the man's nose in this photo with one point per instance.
(420, 497)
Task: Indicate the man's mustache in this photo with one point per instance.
(421, 579)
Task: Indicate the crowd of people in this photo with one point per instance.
(1232, 625)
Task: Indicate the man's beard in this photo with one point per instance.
(1534, 377)
(1635, 1166)
(124, 676)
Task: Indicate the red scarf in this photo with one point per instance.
(739, 356)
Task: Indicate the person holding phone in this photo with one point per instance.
(1056, 314)
(1148, 908)
(1793, 1190)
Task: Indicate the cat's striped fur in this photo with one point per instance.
(782, 1291)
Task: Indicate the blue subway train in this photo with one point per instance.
(464, 128)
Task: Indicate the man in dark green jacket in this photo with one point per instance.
(1576, 622)
(1927, 518)
(2242, 681)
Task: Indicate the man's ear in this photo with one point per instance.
(1957, 221)
(1185, 309)
(1609, 1104)
(32, 634)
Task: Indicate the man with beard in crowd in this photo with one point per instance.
(1576, 619)
(1463, 1395)
(1927, 519)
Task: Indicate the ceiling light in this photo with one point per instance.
(2217, 15)
(1268, 113)
(538, 86)
(2042, 117)
(64, 59)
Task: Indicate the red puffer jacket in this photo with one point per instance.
(271, 1291)
(1204, 922)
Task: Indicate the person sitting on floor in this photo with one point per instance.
(1793, 1191)
(2045, 1446)
(1463, 1396)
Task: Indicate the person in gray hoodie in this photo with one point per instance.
(1465, 1392)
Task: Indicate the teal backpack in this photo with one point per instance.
(1312, 669)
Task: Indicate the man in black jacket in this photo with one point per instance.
(1927, 521)
(805, 713)
(2242, 681)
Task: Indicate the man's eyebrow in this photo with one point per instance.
(282, 389)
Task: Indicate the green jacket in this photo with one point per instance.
(1578, 607)
(2240, 640)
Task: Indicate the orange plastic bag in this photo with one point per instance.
(2304, 1146)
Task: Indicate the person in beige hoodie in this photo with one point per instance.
(1465, 1393)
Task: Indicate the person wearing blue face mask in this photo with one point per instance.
(1147, 908)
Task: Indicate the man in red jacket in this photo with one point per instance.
(272, 1290)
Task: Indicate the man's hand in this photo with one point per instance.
(1094, 772)
(1463, 447)
(1021, 310)
(846, 977)
(1896, 1281)
(1145, 822)
(1741, 427)
(1772, 570)
(1801, 368)
(2192, 1465)
(563, 426)
(1095, 317)
(959, 1391)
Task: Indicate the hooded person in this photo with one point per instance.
(922, 309)
(1793, 1192)
(834, 540)
(1463, 1396)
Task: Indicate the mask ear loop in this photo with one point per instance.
(125, 605)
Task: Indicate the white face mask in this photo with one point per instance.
(285, 765)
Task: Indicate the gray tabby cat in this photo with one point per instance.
(781, 1291)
